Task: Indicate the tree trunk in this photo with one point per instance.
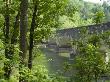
(23, 30)
(16, 30)
(23, 33)
(32, 36)
(14, 35)
(7, 67)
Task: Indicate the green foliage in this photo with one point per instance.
(48, 12)
(85, 13)
(67, 67)
(99, 17)
(39, 74)
(90, 62)
(52, 14)
(95, 40)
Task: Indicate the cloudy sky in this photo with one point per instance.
(95, 1)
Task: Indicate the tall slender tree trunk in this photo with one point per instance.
(9, 51)
(7, 67)
(23, 33)
(33, 24)
(16, 30)
(23, 30)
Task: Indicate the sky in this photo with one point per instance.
(95, 1)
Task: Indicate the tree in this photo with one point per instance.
(23, 34)
(8, 9)
(32, 35)
(23, 30)
(45, 17)
(7, 66)
(90, 62)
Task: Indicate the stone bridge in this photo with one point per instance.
(74, 32)
(64, 36)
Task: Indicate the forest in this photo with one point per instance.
(54, 41)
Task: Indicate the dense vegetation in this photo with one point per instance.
(85, 14)
(25, 24)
